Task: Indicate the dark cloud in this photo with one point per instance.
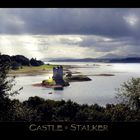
(106, 22)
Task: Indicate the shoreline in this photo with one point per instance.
(47, 69)
(29, 73)
(36, 70)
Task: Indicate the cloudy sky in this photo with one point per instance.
(70, 32)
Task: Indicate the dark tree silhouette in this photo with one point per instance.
(6, 85)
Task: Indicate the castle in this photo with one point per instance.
(58, 75)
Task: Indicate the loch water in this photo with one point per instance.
(100, 90)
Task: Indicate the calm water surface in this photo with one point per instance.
(100, 90)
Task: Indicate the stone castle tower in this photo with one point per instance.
(58, 75)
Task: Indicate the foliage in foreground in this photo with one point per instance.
(129, 93)
(38, 109)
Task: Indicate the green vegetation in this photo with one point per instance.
(49, 82)
(35, 69)
(76, 78)
(38, 109)
(129, 93)
(32, 69)
(6, 85)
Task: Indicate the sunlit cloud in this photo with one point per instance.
(132, 20)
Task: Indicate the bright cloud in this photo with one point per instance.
(132, 20)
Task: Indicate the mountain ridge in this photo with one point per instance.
(107, 60)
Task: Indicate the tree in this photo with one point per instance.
(119, 113)
(20, 112)
(6, 85)
(67, 111)
(129, 93)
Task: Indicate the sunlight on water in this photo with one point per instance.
(48, 76)
(126, 67)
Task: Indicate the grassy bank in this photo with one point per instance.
(35, 69)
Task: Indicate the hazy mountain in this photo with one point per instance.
(105, 57)
(105, 60)
(133, 55)
(112, 56)
(51, 59)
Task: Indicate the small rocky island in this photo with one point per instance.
(60, 80)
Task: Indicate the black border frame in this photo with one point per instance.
(116, 129)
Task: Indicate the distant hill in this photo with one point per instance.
(112, 56)
(73, 60)
(105, 60)
(133, 56)
(51, 59)
(126, 60)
